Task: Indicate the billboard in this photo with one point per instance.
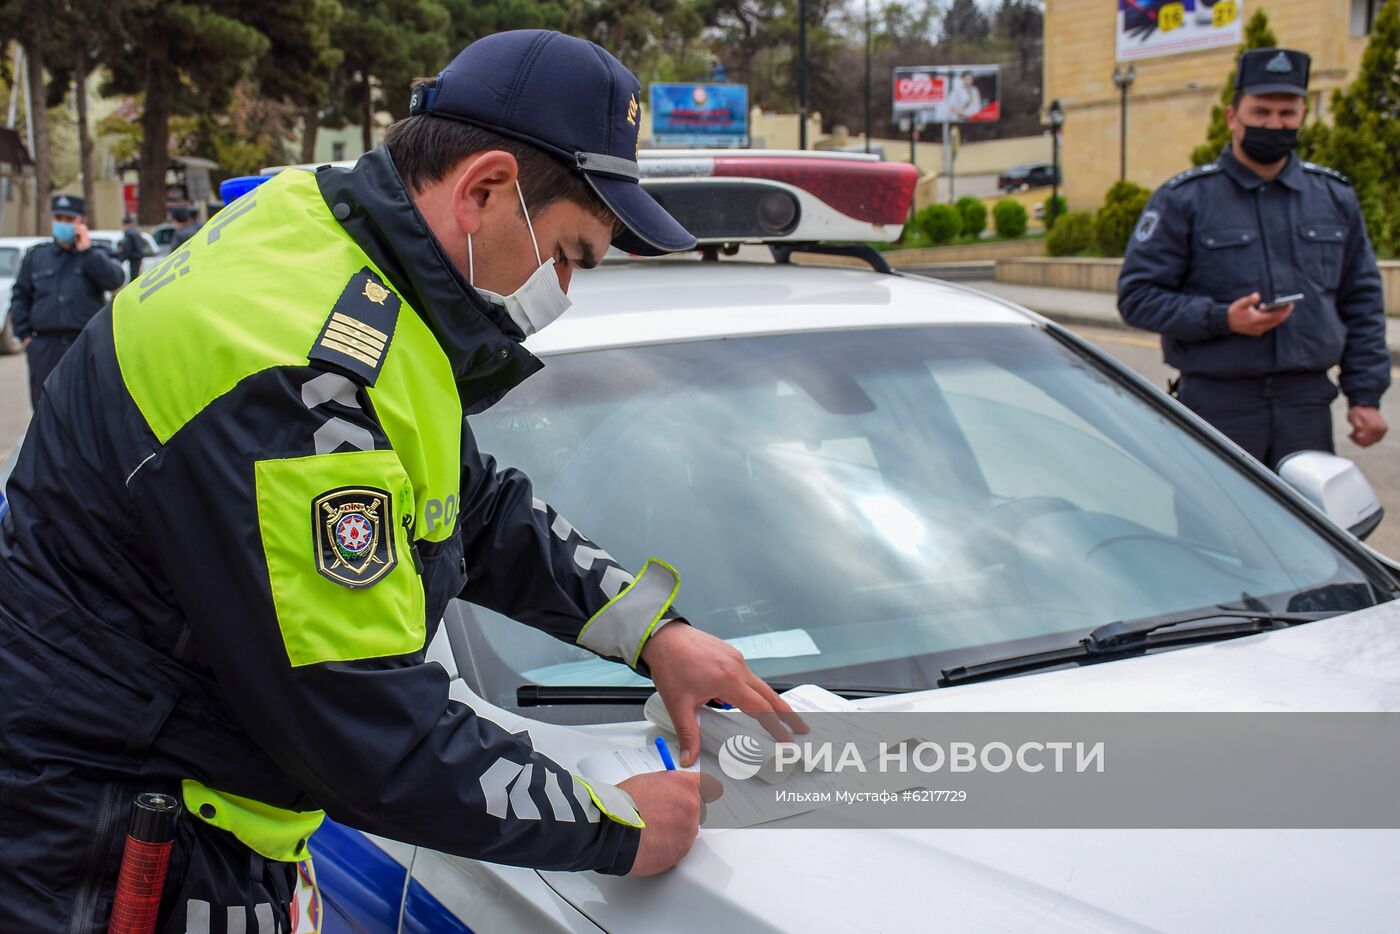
(1147, 28)
(949, 93)
(715, 115)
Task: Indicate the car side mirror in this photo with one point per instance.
(1337, 487)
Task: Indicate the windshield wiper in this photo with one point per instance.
(1131, 637)
(542, 695)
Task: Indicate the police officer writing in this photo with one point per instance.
(60, 286)
(1257, 271)
(236, 523)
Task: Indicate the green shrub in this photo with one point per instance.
(940, 222)
(1060, 211)
(1072, 234)
(974, 215)
(1114, 223)
(1009, 218)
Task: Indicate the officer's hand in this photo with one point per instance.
(691, 668)
(670, 805)
(1246, 318)
(1367, 425)
(81, 240)
(27, 340)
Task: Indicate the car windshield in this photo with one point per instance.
(9, 261)
(866, 508)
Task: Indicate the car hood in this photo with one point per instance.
(772, 879)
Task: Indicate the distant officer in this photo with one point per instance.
(1218, 243)
(186, 226)
(132, 249)
(60, 286)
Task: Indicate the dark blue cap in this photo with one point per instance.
(571, 98)
(67, 204)
(1273, 71)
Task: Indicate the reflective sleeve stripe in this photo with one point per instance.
(612, 801)
(557, 802)
(196, 916)
(621, 628)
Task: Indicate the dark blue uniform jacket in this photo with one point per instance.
(59, 290)
(1219, 232)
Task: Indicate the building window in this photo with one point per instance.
(337, 152)
(1363, 15)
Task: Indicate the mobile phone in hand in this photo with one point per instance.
(1281, 302)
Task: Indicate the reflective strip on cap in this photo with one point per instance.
(614, 802)
(623, 625)
(608, 165)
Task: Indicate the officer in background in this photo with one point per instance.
(186, 226)
(133, 247)
(1218, 244)
(60, 286)
(243, 506)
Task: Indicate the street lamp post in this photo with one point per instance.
(1123, 80)
(1057, 120)
(867, 76)
(802, 74)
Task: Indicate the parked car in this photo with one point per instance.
(12, 250)
(164, 237)
(914, 476)
(1027, 176)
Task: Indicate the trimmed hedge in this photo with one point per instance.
(1072, 234)
(1114, 223)
(1009, 218)
(974, 215)
(1061, 211)
(941, 222)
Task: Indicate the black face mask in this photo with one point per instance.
(1267, 146)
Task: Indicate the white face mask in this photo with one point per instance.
(541, 299)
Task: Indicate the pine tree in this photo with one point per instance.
(965, 23)
(1364, 136)
(1257, 35)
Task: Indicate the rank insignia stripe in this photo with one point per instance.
(353, 533)
(358, 330)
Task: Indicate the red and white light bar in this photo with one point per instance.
(837, 195)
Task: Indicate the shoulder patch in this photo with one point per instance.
(357, 333)
(354, 535)
(1325, 170)
(1200, 171)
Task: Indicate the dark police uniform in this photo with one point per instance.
(56, 293)
(133, 251)
(1218, 232)
(188, 227)
(235, 523)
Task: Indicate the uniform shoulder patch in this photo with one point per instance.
(1325, 170)
(353, 535)
(1200, 171)
(357, 333)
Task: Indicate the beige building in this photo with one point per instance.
(1170, 101)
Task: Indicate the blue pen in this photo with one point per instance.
(665, 754)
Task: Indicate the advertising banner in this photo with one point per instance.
(701, 115)
(1148, 28)
(949, 93)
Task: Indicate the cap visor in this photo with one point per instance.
(650, 230)
(1275, 89)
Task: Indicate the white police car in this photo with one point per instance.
(910, 491)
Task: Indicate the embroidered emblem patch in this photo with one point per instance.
(1147, 226)
(354, 536)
